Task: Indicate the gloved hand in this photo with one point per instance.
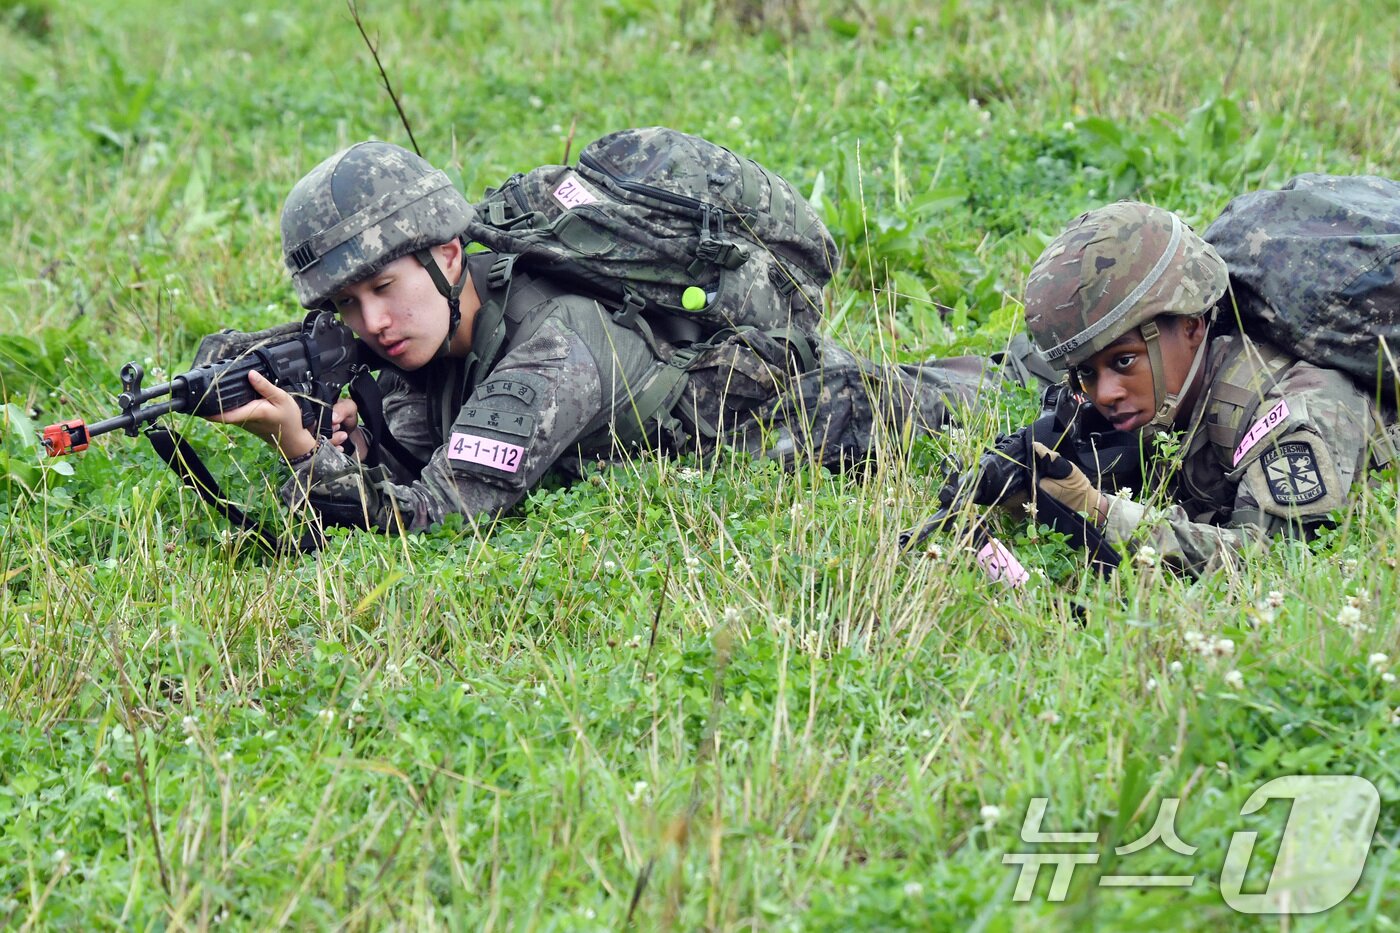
(1067, 483)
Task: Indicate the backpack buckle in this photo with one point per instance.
(632, 305)
(727, 255)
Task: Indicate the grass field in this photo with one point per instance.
(680, 695)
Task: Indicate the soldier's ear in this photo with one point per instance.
(1193, 328)
(450, 256)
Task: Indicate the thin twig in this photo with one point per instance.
(374, 52)
(569, 143)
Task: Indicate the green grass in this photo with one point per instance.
(696, 695)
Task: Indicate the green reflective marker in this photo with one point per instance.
(693, 298)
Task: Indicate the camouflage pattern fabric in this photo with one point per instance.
(1111, 270)
(568, 369)
(1313, 267)
(1294, 458)
(230, 344)
(659, 212)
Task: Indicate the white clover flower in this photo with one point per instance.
(1049, 716)
(326, 714)
(639, 789)
(732, 615)
(114, 794)
(1176, 667)
(536, 102)
(1234, 680)
(1377, 660)
(610, 566)
(735, 122)
(1395, 716)
(913, 889)
(189, 724)
(1388, 678)
(1223, 647)
(1274, 599)
(692, 562)
(990, 815)
(1151, 683)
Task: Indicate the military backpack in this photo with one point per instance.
(1313, 271)
(668, 227)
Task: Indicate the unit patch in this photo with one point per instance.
(511, 387)
(1292, 474)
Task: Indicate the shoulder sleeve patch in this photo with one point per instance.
(508, 387)
(1295, 476)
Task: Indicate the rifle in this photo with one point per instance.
(1069, 425)
(314, 361)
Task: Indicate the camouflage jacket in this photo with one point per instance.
(561, 387)
(1274, 444)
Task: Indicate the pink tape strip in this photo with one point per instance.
(474, 448)
(1001, 564)
(572, 193)
(1263, 426)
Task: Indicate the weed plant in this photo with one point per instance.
(678, 694)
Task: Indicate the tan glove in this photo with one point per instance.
(1066, 482)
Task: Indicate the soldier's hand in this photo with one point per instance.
(345, 426)
(1066, 482)
(276, 418)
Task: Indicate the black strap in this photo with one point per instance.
(185, 462)
(369, 400)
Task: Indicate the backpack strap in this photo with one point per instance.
(1248, 372)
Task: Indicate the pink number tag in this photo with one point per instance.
(572, 193)
(483, 450)
(1000, 564)
(1261, 427)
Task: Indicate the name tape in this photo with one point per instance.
(1263, 426)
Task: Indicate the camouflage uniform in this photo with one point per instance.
(559, 391)
(1274, 445)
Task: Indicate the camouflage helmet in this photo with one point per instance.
(1114, 269)
(360, 210)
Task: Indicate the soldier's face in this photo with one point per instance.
(399, 312)
(1118, 379)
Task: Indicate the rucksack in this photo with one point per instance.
(668, 226)
(1313, 271)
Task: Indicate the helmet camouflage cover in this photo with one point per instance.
(1114, 269)
(360, 210)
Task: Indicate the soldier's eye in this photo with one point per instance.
(1123, 362)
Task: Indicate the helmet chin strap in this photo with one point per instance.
(1168, 402)
(453, 294)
